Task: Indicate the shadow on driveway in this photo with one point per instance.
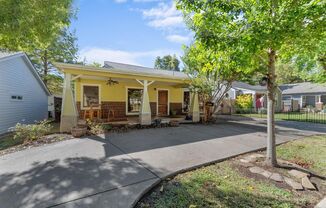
(113, 171)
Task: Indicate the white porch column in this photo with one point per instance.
(195, 108)
(69, 113)
(145, 111)
(254, 101)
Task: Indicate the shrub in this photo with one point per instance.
(96, 128)
(244, 102)
(31, 132)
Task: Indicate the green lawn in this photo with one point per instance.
(310, 151)
(293, 116)
(226, 185)
(222, 185)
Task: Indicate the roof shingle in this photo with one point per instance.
(302, 88)
(127, 68)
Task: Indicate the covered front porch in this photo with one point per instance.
(117, 97)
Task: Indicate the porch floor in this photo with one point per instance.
(164, 119)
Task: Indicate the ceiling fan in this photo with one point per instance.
(110, 82)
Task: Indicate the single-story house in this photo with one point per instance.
(306, 93)
(117, 91)
(259, 94)
(23, 95)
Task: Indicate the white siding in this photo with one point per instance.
(17, 79)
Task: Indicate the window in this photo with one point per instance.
(134, 100)
(186, 101)
(16, 97)
(90, 96)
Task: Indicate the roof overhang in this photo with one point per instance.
(83, 70)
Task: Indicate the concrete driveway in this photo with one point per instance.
(114, 171)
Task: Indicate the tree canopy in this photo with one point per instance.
(167, 62)
(41, 29)
(267, 31)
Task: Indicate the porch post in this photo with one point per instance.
(145, 111)
(195, 108)
(68, 109)
(254, 101)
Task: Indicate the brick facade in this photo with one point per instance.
(153, 108)
(118, 107)
(176, 107)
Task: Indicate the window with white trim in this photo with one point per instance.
(90, 95)
(186, 101)
(134, 100)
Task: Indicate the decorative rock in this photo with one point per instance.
(256, 169)
(297, 174)
(321, 204)
(246, 164)
(256, 155)
(249, 159)
(294, 185)
(266, 174)
(307, 184)
(276, 177)
(244, 161)
(284, 162)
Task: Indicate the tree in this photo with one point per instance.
(29, 24)
(262, 28)
(167, 62)
(39, 28)
(212, 72)
(61, 49)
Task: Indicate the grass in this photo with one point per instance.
(225, 185)
(310, 152)
(7, 140)
(292, 116)
(222, 185)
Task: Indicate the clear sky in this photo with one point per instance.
(129, 31)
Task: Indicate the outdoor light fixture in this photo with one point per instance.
(263, 81)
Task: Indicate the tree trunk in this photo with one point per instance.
(45, 67)
(271, 147)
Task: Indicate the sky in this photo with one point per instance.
(129, 31)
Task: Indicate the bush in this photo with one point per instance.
(96, 128)
(31, 132)
(244, 102)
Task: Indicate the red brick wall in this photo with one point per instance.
(119, 109)
(176, 107)
(153, 108)
(80, 113)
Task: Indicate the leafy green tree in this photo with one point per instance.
(39, 28)
(262, 28)
(96, 64)
(212, 73)
(55, 83)
(62, 49)
(167, 62)
(29, 24)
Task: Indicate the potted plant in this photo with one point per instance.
(78, 131)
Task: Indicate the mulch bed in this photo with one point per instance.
(52, 138)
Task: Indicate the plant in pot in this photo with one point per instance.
(78, 131)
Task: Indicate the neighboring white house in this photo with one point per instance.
(23, 95)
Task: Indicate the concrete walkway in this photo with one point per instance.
(116, 170)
